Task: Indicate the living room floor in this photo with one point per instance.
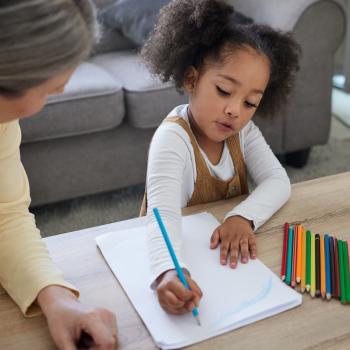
(339, 130)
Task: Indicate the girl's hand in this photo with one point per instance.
(75, 326)
(234, 234)
(174, 297)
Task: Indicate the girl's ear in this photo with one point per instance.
(191, 78)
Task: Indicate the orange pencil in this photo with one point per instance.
(303, 261)
(298, 275)
(323, 267)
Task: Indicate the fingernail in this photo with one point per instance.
(223, 262)
(244, 260)
(233, 265)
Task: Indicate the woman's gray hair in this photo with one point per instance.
(42, 38)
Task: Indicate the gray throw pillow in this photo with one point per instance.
(134, 18)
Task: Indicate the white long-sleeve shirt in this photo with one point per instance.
(171, 176)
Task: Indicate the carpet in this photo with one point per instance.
(340, 106)
(124, 204)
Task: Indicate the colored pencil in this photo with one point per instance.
(303, 262)
(180, 274)
(336, 268)
(346, 271)
(349, 252)
(313, 263)
(328, 268)
(284, 253)
(317, 265)
(289, 255)
(331, 258)
(341, 272)
(323, 267)
(308, 261)
(294, 260)
(299, 254)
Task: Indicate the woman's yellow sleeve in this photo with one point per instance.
(25, 264)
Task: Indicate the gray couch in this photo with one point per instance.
(94, 137)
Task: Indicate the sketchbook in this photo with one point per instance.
(231, 298)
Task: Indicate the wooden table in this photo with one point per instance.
(321, 205)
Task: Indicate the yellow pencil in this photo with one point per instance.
(303, 260)
(298, 275)
(312, 263)
(322, 267)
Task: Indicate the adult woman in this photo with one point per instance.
(41, 43)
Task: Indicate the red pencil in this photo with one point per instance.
(294, 259)
(336, 269)
(284, 253)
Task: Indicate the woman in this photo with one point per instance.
(41, 43)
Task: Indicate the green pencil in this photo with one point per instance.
(308, 257)
(346, 271)
(312, 263)
(341, 271)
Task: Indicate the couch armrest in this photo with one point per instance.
(320, 30)
(319, 27)
(276, 13)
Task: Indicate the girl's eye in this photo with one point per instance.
(222, 92)
(250, 105)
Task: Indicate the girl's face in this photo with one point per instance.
(33, 100)
(223, 98)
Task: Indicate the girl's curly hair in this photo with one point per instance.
(196, 32)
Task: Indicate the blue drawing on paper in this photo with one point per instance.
(246, 304)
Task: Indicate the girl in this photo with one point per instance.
(42, 42)
(202, 150)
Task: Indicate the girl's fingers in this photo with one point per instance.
(196, 291)
(180, 291)
(253, 248)
(244, 250)
(224, 250)
(169, 299)
(234, 253)
(215, 239)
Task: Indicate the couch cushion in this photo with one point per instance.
(92, 101)
(147, 100)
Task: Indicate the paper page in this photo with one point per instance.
(231, 297)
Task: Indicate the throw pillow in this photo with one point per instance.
(136, 19)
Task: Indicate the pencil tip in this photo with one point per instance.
(198, 321)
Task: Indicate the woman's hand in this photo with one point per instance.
(234, 235)
(76, 326)
(174, 297)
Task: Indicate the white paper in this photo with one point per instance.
(231, 297)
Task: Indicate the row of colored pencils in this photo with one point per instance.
(320, 263)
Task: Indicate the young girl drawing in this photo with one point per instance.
(204, 149)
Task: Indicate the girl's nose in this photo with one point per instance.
(232, 109)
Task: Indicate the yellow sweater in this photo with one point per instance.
(25, 265)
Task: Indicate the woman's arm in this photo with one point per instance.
(26, 270)
(25, 265)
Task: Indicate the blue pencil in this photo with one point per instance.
(328, 267)
(290, 255)
(182, 278)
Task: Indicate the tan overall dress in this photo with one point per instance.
(208, 188)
